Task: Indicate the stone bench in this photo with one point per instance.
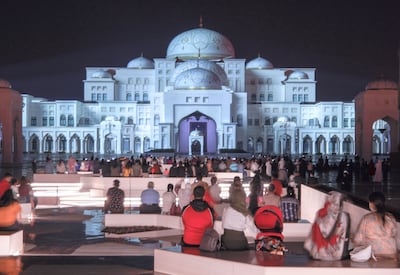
(11, 243)
(291, 231)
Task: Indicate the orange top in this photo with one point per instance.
(9, 214)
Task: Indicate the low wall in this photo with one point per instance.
(291, 231)
(312, 200)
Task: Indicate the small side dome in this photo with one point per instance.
(259, 63)
(382, 84)
(298, 75)
(101, 74)
(5, 84)
(197, 79)
(140, 63)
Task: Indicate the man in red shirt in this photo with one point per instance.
(196, 217)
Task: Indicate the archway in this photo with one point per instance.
(61, 144)
(48, 144)
(74, 144)
(334, 145)
(320, 145)
(88, 144)
(307, 145)
(348, 145)
(202, 123)
(381, 141)
(33, 145)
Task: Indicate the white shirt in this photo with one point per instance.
(234, 220)
(168, 199)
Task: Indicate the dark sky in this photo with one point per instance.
(46, 45)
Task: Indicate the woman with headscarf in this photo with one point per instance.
(329, 237)
(378, 229)
(236, 220)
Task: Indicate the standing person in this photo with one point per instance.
(215, 190)
(378, 172)
(168, 198)
(115, 199)
(196, 218)
(34, 166)
(150, 199)
(378, 228)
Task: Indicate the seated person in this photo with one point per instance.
(235, 220)
(10, 212)
(169, 198)
(378, 229)
(115, 199)
(272, 197)
(25, 192)
(290, 206)
(268, 220)
(150, 200)
(196, 217)
(329, 236)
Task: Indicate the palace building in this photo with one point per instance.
(198, 99)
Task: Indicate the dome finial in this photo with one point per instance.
(259, 54)
(201, 22)
(141, 54)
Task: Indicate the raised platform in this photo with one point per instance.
(11, 243)
(196, 262)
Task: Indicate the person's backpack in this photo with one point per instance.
(210, 240)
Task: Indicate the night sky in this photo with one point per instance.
(46, 45)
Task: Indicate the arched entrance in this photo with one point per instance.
(381, 143)
(202, 124)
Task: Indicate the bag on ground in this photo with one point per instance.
(210, 240)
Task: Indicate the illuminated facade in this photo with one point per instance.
(198, 99)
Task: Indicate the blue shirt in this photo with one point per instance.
(150, 196)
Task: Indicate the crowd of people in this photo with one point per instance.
(259, 214)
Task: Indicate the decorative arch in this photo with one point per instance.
(320, 145)
(348, 145)
(61, 144)
(146, 144)
(250, 145)
(202, 123)
(138, 145)
(259, 145)
(75, 144)
(48, 143)
(307, 145)
(381, 137)
(334, 145)
(88, 144)
(33, 144)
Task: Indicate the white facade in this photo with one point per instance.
(200, 98)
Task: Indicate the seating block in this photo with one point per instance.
(11, 243)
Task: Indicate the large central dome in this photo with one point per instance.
(209, 44)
